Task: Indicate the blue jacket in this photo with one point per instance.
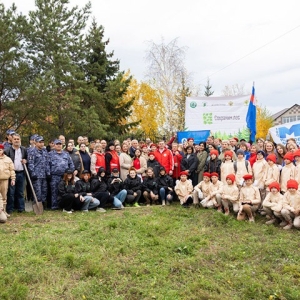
(59, 162)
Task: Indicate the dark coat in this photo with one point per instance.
(150, 184)
(98, 185)
(213, 166)
(65, 189)
(165, 182)
(155, 165)
(132, 184)
(82, 187)
(116, 187)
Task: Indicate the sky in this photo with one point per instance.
(231, 42)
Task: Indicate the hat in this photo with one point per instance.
(231, 177)
(1, 146)
(151, 153)
(39, 138)
(292, 184)
(248, 176)
(10, 132)
(144, 146)
(57, 141)
(271, 157)
(275, 185)
(229, 153)
(184, 173)
(115, 170)
(214, 174)
(236, 139)
(153, 145)
(101, 170)
(34, 136)
(190, 139)
(206, 174)
(162, 168)
(85, 172)
(297, 153)
(215, 152)
(240, 151)
(69, 171)
(289, 156)
(261, 152)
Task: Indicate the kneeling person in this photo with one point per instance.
(184, 190)
(230, 195)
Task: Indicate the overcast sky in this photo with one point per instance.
(216, 34)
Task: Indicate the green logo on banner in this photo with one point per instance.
(193, 104)
(207, 118)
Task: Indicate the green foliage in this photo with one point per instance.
(208, 92)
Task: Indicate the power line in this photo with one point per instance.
(272, 41)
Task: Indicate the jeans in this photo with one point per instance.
(16, 194)
(90, 203)
(162, 194)
(120, 198)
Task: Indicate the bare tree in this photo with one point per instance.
(166, 71)
(233, 90)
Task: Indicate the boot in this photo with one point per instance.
(272, 221)
(4, 210)
(163, 202)
(226, 211)
(288, 226)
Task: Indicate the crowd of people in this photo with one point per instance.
(230, 176)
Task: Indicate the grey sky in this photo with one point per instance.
(216, 34)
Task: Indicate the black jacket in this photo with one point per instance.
(10, 152)
(132, 184)
(76, 158)
(150, 184)
(116, 187)
(155, 165)
(65, 189)
(97, 185)
(165, 182)
(213, 166)
(82, 187)
(190, 163)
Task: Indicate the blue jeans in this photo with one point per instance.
(120, 198)
(88, 204)
(162, 194)
(16, 194)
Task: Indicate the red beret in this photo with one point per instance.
(206, 174)
(215, 152)
(229, 153)
(184, 173)
(151, 153)
(1, 146)
(153, 145)
(297, 153)
(214, 174)
(144, 146)
(248, 176)
(236, 139)
(289, 156)
(190, 139)
(271, 157)
(275, 185)
(231, 177)
(292, 184)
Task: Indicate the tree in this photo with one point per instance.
(264, 121)
(14, 70)
(165, 71)
(208, 87)
(233, 90)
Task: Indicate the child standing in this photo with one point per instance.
(272, 171)
(241, 168)
(287, 172)
(227, 166)
(259, 170)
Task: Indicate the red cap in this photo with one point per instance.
(271, 157)
(1, 146)
(214, 152)
(297, 153)
(275, 185)
(289, 156)
(248, 176)
(206, 174)
(214, 174)
(190, 139)
(236, 139)
(144, 146)
(229, 153)
(151, 153)
(184, 173)
(292, 184)
(231, 177)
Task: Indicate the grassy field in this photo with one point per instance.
(147, 253)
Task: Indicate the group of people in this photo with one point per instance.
(228, 175)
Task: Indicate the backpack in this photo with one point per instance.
(235, 166)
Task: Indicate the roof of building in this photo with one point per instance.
(280, 113)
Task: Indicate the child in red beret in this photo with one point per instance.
(184, 190)
(201, 190)
(287, 172)
(227, 166)
(272, 171)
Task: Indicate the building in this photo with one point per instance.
(287, 115)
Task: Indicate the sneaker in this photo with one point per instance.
(85, 210)
(122, 206)
(219, 209)
(67, 211)
(116, 208)
(135, 204)
(251, 219)
(100, 209)
(283, 223)
(168, 202)
(288, 226)
(163, 202)
(262, 212)
(272, 221)
(226, 212)
(148, 205)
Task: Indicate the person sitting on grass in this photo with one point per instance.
(68, 199)
(116, 189)
(249, 199)
(214, 200)
(201, 190)
(230, 195)
(165, 186)
(184, 190)
(291, 206)
(150, 188)
(133, 186)
(288, 171)
(83, 188)
(272, 205)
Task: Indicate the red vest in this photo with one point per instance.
(100, 162)
(115, 162)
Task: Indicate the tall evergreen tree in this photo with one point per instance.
(208, 92)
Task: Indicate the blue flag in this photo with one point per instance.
(251, 117)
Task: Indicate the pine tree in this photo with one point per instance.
(208, 92)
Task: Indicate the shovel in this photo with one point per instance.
(37, 206)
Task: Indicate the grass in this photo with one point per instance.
(147, 253)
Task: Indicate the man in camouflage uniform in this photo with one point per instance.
(58, 161)
(39, 169)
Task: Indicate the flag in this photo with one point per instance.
(251, 116)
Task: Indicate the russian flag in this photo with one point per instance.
(251, 116)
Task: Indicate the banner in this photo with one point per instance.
(198, 136)
(225, 117)
(281, 133)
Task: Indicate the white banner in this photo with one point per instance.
(281, 133)
(225, 117)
